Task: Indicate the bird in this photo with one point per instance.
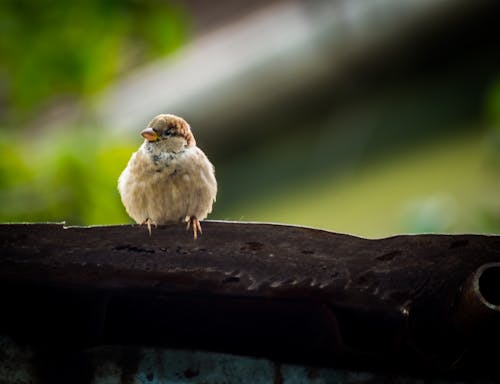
(169, 179)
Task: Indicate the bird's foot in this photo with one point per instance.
(148, 221)
(195, 223)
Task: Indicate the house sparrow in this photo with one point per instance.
(169, 179)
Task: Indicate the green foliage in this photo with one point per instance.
(56, 48)
(69, 176)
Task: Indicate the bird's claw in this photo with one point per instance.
(195, 223)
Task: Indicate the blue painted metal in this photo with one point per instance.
(125, 365)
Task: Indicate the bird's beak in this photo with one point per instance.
(149, 134)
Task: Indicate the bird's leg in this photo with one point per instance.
(148, 221)
(196, 226)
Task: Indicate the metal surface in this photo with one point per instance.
(289, 294)
(478, 308)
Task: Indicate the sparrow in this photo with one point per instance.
(169, 179)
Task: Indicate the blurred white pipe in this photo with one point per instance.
(267, 56)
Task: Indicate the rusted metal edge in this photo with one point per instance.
(293, 293)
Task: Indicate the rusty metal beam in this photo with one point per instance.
(422, 303)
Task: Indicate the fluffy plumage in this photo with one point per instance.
(169, 179)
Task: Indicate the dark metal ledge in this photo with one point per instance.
(422, 303)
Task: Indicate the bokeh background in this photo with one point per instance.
(366, 117)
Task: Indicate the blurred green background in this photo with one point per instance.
(382, 133)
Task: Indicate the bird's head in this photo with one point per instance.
(169, 132)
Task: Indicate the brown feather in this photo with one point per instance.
(177, 125)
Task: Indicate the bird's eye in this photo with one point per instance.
(168, 132)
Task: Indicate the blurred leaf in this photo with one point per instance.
(68, 177)
(75, 48)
